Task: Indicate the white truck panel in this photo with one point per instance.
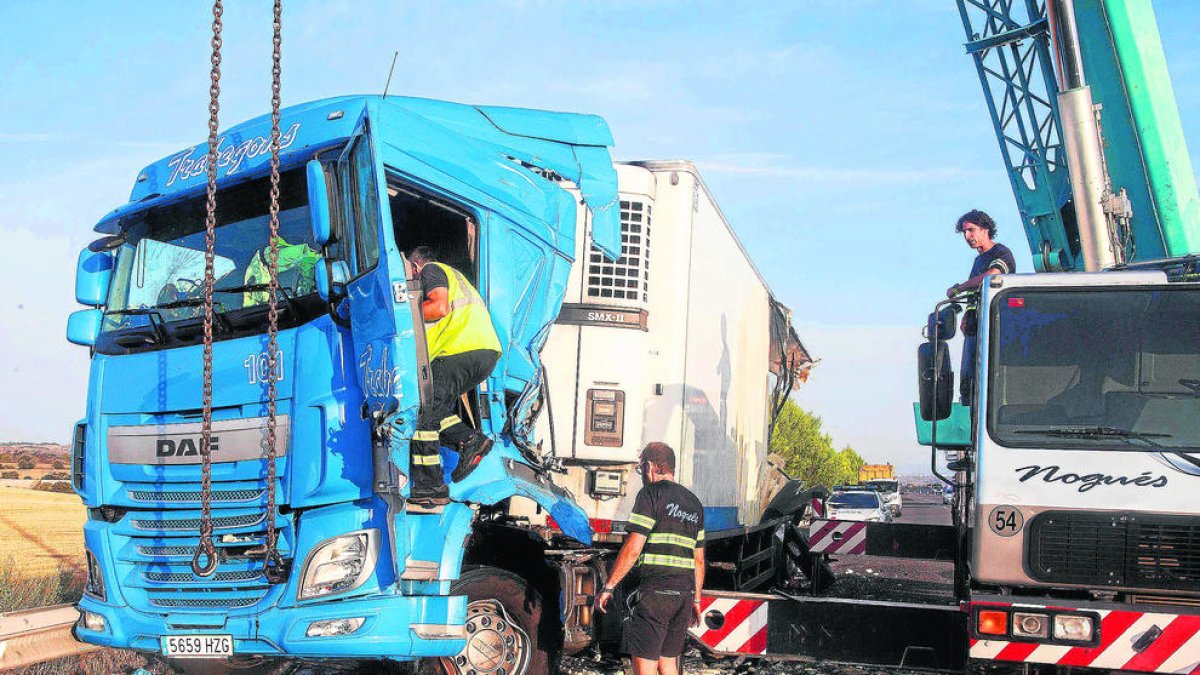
(697, 377)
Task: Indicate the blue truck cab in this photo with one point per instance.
(363, 179)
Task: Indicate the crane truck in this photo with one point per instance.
(558, 239)
(1078, 454)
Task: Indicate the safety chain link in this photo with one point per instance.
(204, 561)
(273, 566)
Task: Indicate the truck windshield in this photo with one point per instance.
(1065, 364)
(854, 500)
(884, 485)
(156, 296)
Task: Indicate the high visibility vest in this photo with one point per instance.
(467, 326)
(296, 265)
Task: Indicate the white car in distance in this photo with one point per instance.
(890, 491)
(862, 505)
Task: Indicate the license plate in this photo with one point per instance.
(197, 646)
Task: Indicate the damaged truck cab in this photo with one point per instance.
(363, 179)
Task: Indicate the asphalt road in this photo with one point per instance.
(902, 579)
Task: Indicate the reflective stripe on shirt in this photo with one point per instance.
(639, 519)
(667, 561)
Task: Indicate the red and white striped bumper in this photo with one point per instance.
(844, 537)
(733, 625)
(1175, 650)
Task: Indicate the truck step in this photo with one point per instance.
(420, 570)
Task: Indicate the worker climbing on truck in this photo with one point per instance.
(979, 231)
(463, 349)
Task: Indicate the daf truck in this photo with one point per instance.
(605, 347)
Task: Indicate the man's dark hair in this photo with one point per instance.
(979, 218)
(660, 455)
(422, 254)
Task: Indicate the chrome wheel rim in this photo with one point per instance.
(496, 645)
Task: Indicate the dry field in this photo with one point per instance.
(43, 531)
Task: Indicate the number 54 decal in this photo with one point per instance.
(1006, 520)
(258, 365)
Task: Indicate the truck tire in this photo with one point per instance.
(506, 633)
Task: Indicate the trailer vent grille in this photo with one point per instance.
(1131, 550)
(629, 277)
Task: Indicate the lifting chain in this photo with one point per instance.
(204, 561)
(273, 565)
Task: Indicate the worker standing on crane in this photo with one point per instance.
(979, 231)
(463, 349)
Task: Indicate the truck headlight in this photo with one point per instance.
(1072, 627)
(94, 584)
(339, 564)
(1030, 624)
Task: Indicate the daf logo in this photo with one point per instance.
(186, 447)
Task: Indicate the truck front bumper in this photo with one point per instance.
(394, 626)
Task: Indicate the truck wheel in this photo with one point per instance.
(505, 631)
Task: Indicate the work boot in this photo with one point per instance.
(429, 500)
(469, 455)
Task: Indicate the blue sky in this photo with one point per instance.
(842, 138)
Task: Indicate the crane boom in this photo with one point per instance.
(1142, 203)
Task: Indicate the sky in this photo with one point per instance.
(842, 139)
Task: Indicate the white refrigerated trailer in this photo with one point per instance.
(679, 341)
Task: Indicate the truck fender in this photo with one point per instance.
(503, 473)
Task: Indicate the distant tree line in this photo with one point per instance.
(810, 453)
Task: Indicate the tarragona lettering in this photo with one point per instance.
(1085, 482)
(229, 157)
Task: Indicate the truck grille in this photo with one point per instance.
(193, 524)
(194, 495)
(204, 603)
(189, 577)
(155, 542)
(1132, 550)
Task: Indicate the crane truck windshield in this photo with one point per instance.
(1098, 369)
(156, 297)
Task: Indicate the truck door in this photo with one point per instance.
(388, 339)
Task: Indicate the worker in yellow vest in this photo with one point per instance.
(463, 349)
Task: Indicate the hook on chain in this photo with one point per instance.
(204, 560)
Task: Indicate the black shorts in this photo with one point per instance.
(658, 626)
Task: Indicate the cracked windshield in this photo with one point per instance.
(159, 275)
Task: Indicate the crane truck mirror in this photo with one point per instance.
(93, 274)
(318, 203)
(83, 327)
(945, 321)
(933, 367)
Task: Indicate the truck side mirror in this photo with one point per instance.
(93, 274)
(332, 276)
(83, 327)
(318, 203)
(934, 358)
(945, 320)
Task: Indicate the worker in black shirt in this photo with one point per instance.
(979, 231)
(665, 538)
(463, 349)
